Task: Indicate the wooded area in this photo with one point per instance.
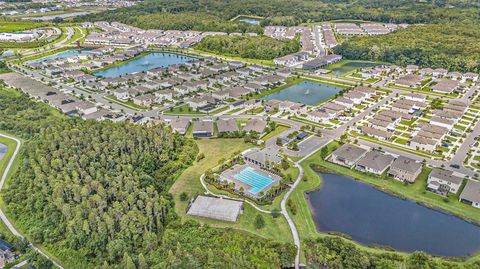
(258, 47)
(336, 252)
(453, 46)
(96, 194)
(298, 11)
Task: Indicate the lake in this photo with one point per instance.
(306, 92)
(350, 66)
(60, 55)
(144, 63)
(3, 150)
(371, 216)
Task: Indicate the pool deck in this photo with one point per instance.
(229, 176)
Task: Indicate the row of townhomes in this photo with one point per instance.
(440, 181)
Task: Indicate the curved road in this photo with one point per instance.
(2, 215)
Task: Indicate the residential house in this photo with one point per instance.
(443, 182)
(227, 126)
(471, 193)
(374, 162)
(203, 128)
(405, 169)
(255, 125)
(347, 155)
(180, 125)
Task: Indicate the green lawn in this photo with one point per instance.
(129, 104)
(13, 26)
(189, 182)
(184, 109)
(279, 129)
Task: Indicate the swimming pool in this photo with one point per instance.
(253, 178)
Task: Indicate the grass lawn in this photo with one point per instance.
(129, 104)
(13, 26)
(279, 129)
(189, 182)
(184, 109)
(234, 110)
(218, 110)
(253, 111)
(236, 58)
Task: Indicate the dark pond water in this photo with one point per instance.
(144, 63)
(306, 92)
(371, 216)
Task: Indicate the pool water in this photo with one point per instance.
(256, 180)
(144, 63)
(306, 92)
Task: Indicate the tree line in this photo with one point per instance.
(453, 46)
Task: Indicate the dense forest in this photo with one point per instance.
(258, 47)
(290, 12)
(96, 194)
(336, 252)
(453, 46)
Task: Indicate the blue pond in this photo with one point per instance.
(306, 92)
(3, 150)
(144, 63)
(256, 180)
(63, 54)
(250, 20)
(371, 216)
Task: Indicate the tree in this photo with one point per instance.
(259, 222)
(183, 196)
(276, 213)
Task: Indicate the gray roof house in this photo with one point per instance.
(180, 125)
(203, 129)
(227, 126)
(405, 169)
(347, 155)
(443, 182)
(471, 193)
(255, 125)
(374, 162)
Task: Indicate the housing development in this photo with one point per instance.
(303, 145)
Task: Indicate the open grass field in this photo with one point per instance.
(189, 182)
(13, 26)
(184, 109)
(278, 130)
(129, 104)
